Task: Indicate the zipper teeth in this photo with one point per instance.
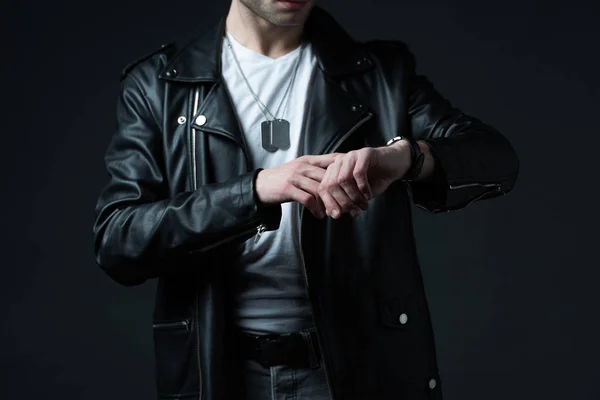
(194, 172)
(228, 239)
(195, 186)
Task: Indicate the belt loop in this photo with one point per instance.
(313, 357)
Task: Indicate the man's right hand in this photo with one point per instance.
(297, 180)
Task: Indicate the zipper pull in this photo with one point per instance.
(259, 231)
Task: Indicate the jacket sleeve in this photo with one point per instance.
(140, 231)
(473, 160)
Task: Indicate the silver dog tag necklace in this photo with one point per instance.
(275, 131)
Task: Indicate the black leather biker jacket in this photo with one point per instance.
(180, 200)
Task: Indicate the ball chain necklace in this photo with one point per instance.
(275, 132)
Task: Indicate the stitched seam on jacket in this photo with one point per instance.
(146, 101)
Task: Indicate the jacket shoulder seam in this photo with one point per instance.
(129, 67)
(147, 102)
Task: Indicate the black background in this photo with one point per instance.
(512, 282)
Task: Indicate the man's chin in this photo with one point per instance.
(291, 21)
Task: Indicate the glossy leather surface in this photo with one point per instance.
(180, 201)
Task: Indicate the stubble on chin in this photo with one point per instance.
(271, 12)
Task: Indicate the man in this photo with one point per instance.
(262, 173)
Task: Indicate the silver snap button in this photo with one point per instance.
(403, 318)
(181, 120)
(432, 383)
(200, 120)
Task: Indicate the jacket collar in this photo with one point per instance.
(337, 53)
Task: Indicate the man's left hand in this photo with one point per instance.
(356, 177)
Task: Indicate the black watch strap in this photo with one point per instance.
(417, 158)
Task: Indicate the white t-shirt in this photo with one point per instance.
(271, 296)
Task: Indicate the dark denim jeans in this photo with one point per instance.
(284, 383)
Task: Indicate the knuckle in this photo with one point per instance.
(365, 151)
(344, 180)
(358, 171)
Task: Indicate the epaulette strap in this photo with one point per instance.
(131, 65)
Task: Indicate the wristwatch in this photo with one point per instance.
(417, 158)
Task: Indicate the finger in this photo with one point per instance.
(338, 192)
(347, 182)
(323, 160)
(308, 185)
(360, 173)
(307, 200)
(314, 173)
(335, 190)
(328, 200)
(321, 205)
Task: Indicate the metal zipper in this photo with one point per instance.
(195, 109)
(497, 185)
(171, 325)
(452, 187)
(260, 229)
(195, 186)
(325, 369)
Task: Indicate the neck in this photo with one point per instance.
(260, 35)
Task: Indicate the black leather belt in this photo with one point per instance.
(290, 349)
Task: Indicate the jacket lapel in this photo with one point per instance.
(331, 114)
(331, 111)
(217, 114)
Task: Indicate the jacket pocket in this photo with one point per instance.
(176, 362)
(400, 312)
(408, 346)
